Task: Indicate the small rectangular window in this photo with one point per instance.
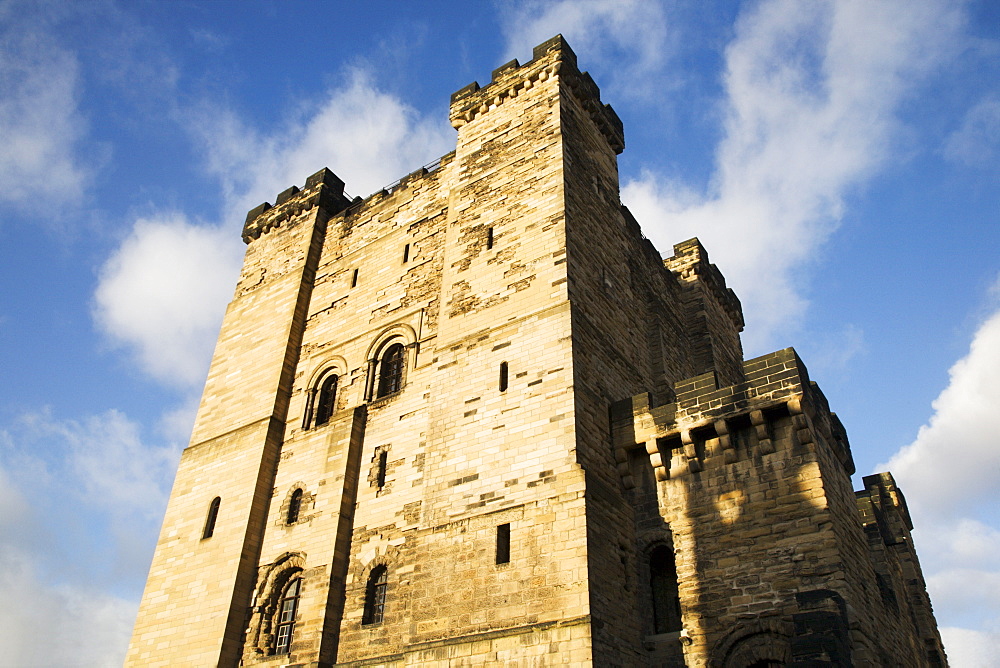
(503, 376)
(503, 544)
(489, 238)
(406, 253)
(354, 279)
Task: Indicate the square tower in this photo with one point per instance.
(428, 435)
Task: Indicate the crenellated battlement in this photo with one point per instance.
(323, 189)
(777, 400)
(551, 58)
(690, 263)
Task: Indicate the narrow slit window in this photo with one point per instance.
(406, 253)
(294, 506)
(503, 544)
(503, 376)
(383, 463)
(489, 238)
(664, 590)
(213, 514)
(354, 279)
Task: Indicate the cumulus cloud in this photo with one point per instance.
(163, 291)
(367, 136)
(950, 475)
(954, 463)
(812, 91)
(40, 121)
(632, 33)
(976, 142)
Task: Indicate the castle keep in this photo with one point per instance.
(477, 419)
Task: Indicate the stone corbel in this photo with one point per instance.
(624, 470)
(690, 451)
(656, 460)
(764, 441)
(802, 432)
(726, 442)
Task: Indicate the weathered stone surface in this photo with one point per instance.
(542, 445)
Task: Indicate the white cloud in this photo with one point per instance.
(40, 121)
(163, 291)
(950, 475)
(368, 137)
(79, 505)
(976, 142)
(967, 648)
(114, 470)
(631, 33)
(811, 95)
(57, 626)
(953, 466)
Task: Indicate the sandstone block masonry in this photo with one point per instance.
(428, 436)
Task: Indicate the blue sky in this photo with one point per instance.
(839, 160)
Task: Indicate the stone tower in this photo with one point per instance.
(429, 437)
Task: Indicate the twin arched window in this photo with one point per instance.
(386, 373)
(326, 399)
(390, 370)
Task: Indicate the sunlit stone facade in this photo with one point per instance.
(476, 419)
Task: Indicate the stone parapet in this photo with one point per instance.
(690, 262)
(551, 58)
(323, 189)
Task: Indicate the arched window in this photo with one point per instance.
(663, 589)
(326, 400)
(213, 514)
(287, 606)
(390, 370)
(375, 596)
(294, 506)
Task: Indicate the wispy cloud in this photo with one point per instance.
(971, 649)
(40, 120)
(812, 92)
(631, 33)
(78, 500)
(976, 142)
(83, 625)
(367, 136)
